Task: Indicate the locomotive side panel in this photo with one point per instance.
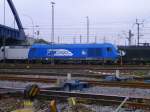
(74, 51)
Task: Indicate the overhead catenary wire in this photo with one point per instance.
(101, 29)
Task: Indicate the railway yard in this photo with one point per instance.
(70, 88)
(93, 57)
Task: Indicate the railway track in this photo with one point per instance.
(97, 75)
(58, 74)
(132, 102)
(65, 66)
(91, 82)
(24, 75)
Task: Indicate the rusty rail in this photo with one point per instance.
(64, 66)
(92, 82)
(133, 102)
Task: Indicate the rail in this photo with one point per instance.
(91, 82)
(89, 67)
(132, 102)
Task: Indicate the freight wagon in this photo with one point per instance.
(135, 54)
(14, 53)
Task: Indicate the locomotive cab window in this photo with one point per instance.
(109, 49)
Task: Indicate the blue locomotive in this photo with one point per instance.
(105, 52)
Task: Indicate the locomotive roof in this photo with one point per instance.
(72, 45)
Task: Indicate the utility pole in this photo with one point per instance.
(52, 34)
(138, 31)
(80, 39)
(130, 37)
(87, 29)
(38, 33)
(4, 34)
(52, 38)
(4, 11)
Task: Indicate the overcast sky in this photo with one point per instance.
(110, 20)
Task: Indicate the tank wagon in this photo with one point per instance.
(135, 54)
(74, 52)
